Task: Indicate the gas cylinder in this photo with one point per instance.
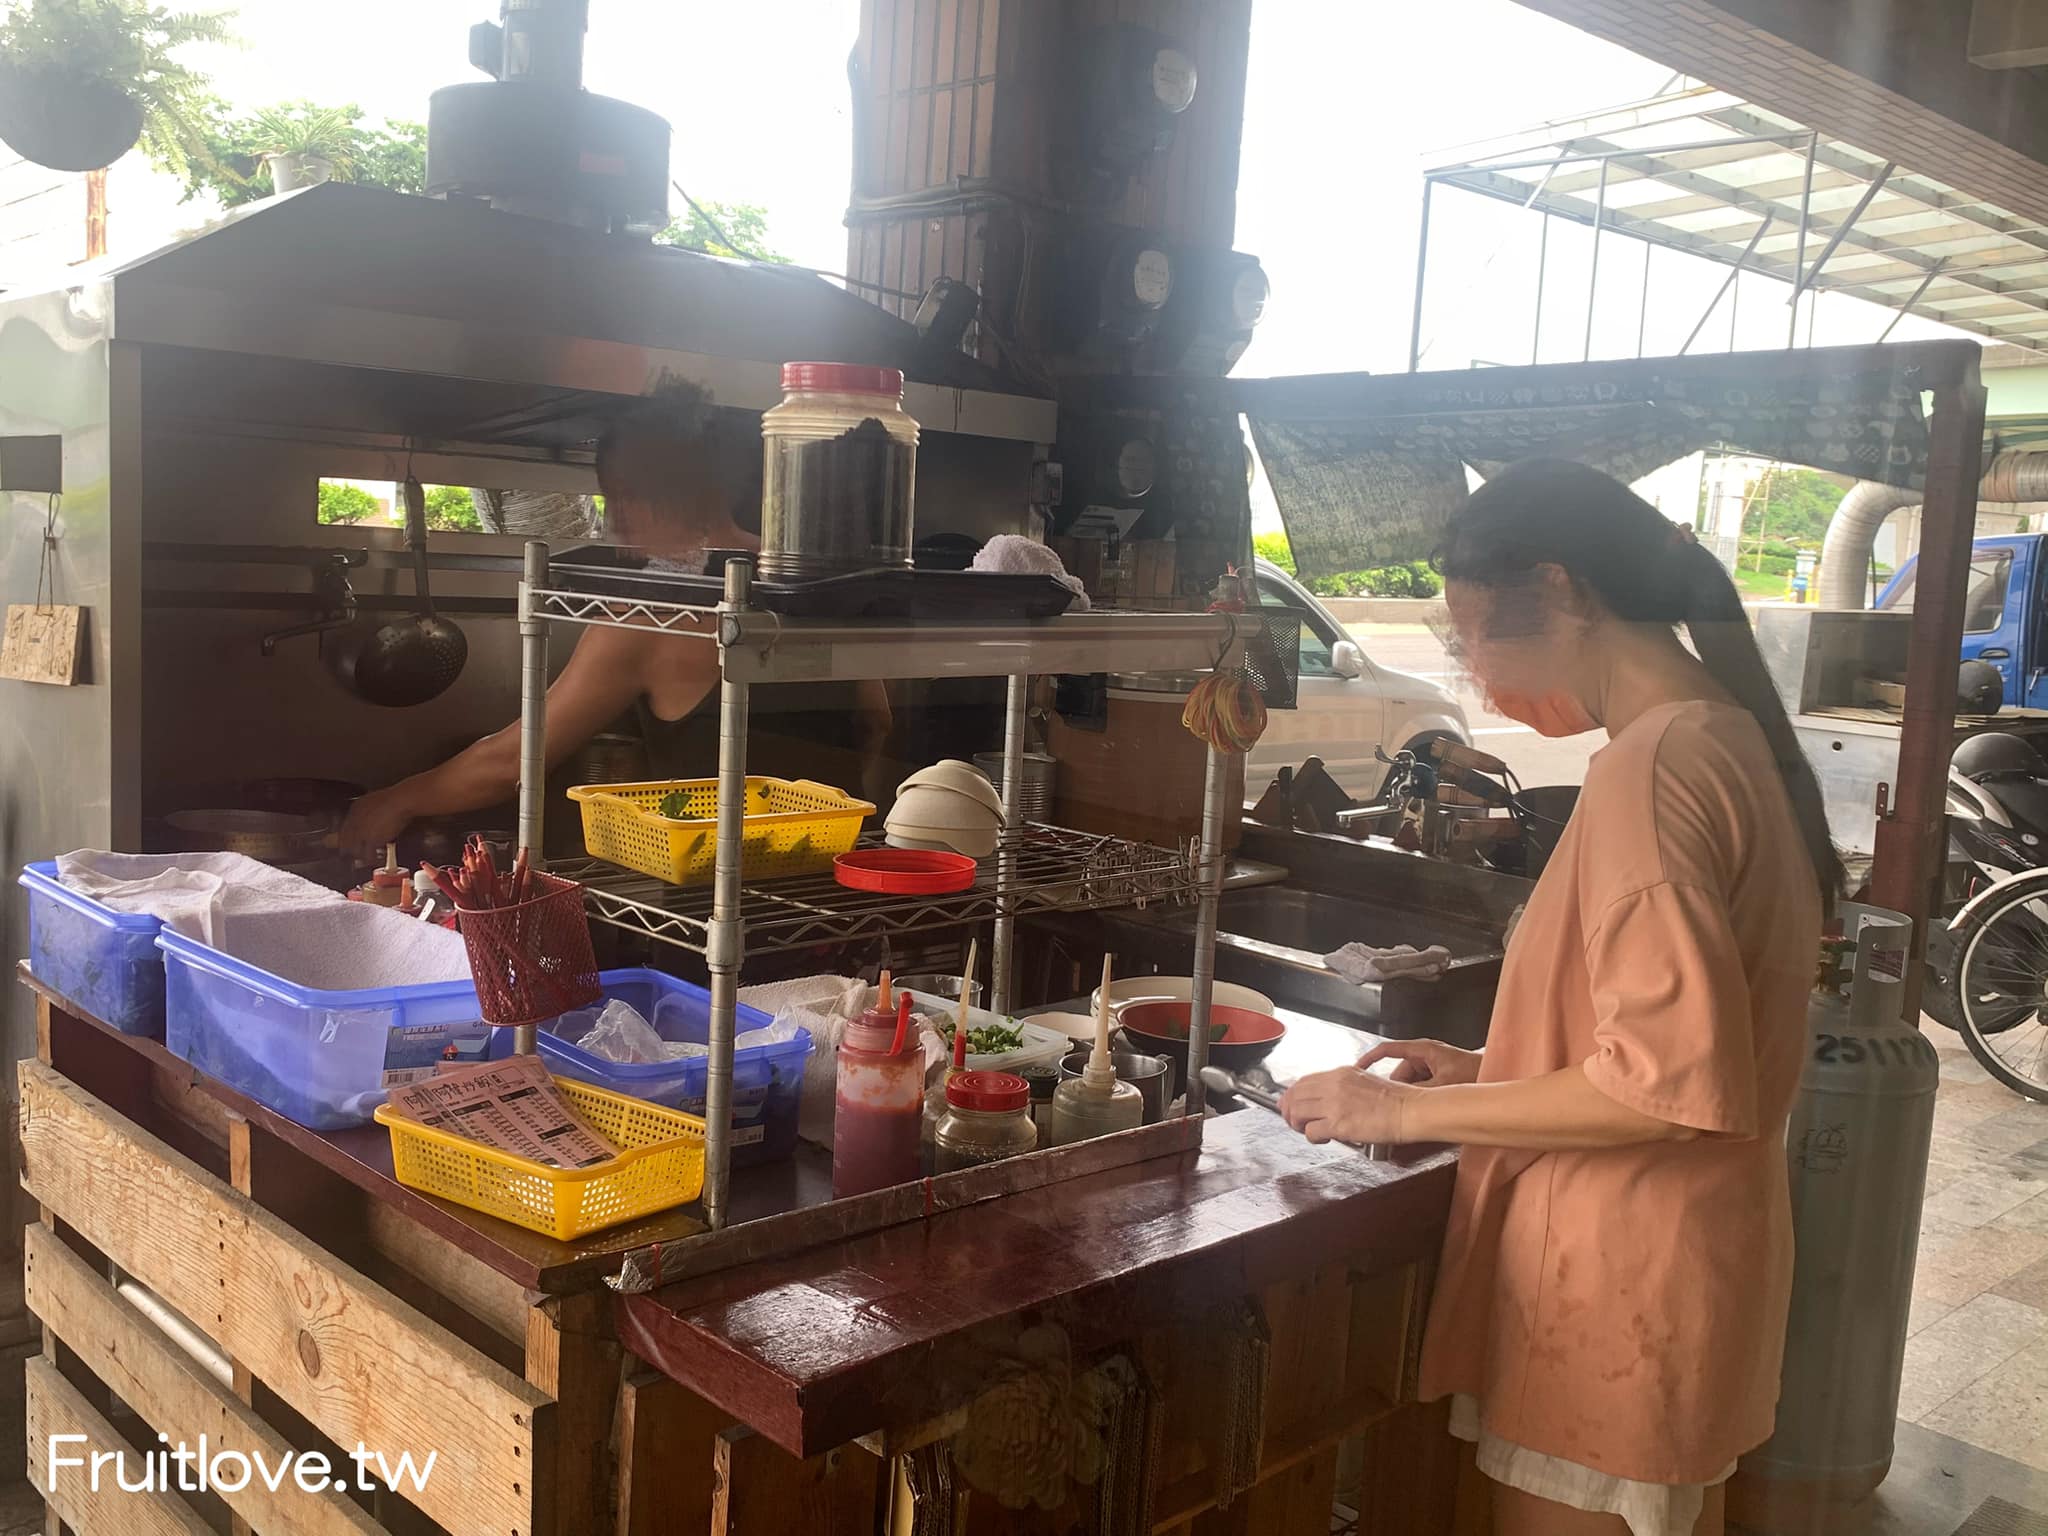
(1856, 1147)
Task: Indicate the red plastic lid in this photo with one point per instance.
(843, 379)
(904, 871)
(988, 1090)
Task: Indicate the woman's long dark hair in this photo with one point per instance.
(1643, 569)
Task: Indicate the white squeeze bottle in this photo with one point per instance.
(1097, 1102)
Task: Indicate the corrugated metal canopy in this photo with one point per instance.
(1705, 172)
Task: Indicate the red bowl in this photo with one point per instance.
(1238, 1037)
(904, 871)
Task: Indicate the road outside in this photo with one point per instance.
(1535, 759)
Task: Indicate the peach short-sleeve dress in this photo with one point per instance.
(1624, 1309)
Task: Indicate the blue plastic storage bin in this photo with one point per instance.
(324, 1059)
(767, 1080)
(104, 961)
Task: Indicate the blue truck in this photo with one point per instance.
(2003, 619)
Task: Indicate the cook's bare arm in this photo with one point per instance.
(605, 675)
(1559, 1111)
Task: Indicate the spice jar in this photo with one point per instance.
(839, 457)
(988, 1118)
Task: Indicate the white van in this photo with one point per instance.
(1348, 705)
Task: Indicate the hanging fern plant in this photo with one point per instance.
(82, 81)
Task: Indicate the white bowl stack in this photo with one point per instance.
(949, 806)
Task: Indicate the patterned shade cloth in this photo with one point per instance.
(1368, 490)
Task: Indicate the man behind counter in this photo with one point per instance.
(673, 472)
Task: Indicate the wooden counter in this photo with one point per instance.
(1197, 1333)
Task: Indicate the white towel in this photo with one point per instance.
(1013, 554)
(190, 893)
(1361, 964)
(841, 997)
(345, 946)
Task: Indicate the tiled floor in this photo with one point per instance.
(1977, 1359)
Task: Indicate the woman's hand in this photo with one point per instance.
(374, 821)
(1426, 1061)
(1349, 1105)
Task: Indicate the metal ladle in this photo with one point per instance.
(409, 660)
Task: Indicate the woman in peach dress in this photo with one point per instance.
(1610, 1310)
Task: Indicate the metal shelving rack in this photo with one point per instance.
(1036, 868)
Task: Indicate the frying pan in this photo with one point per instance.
(409, 660)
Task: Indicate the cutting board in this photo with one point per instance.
(41, 643)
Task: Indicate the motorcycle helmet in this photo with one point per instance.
(1992, 753)
(1979, 688)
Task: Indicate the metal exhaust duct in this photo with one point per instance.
(2015, 475)
(531, 140)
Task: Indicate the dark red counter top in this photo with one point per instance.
(882, 1330)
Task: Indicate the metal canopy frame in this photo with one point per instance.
(1911, 827)
(1705, 172)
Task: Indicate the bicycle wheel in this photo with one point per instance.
(1998, 988)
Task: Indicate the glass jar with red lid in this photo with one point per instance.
(987, 1118)
(839, 456)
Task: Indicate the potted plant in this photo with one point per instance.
(82, 80)
(303, 146)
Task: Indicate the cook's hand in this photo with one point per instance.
(372, 822)
(1346, 1105)
(1426, 1061)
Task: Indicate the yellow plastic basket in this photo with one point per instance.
(660, 1165)
(793, 827)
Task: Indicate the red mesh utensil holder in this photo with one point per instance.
(532, 962)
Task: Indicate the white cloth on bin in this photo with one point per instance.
(1012, 554)
(834, 996)
(190, 893)
(1361, 964)
(344, 946)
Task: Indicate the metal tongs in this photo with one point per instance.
(1253, 1091)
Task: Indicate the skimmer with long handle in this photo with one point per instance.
(412, 659)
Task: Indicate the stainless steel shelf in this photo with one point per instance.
(762, 647)
(623, 612)
(1049, 870)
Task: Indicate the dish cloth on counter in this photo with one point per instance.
(190, 893)
(1012, 554)
(1361, 964)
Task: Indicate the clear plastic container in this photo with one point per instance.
(987, 1118)
(105, 961)
(839, 458)
(324, 1058)
(767, 1080)
(877, 1109)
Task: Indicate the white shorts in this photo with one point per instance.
(1650, 1509)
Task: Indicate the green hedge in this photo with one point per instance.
(1415, 579)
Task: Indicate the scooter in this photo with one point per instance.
(1988, 963)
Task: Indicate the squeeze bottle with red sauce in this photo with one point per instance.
(878, 1108)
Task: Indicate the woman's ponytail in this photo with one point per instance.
(1726, 646)
(1645, 570)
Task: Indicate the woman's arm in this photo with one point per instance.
(603, 677)
(1560, 1111)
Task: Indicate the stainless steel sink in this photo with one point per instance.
(1318, 923)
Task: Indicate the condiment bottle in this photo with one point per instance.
(389, 886)
(878, 1107)
(988, 1117)
(1097, 1102)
